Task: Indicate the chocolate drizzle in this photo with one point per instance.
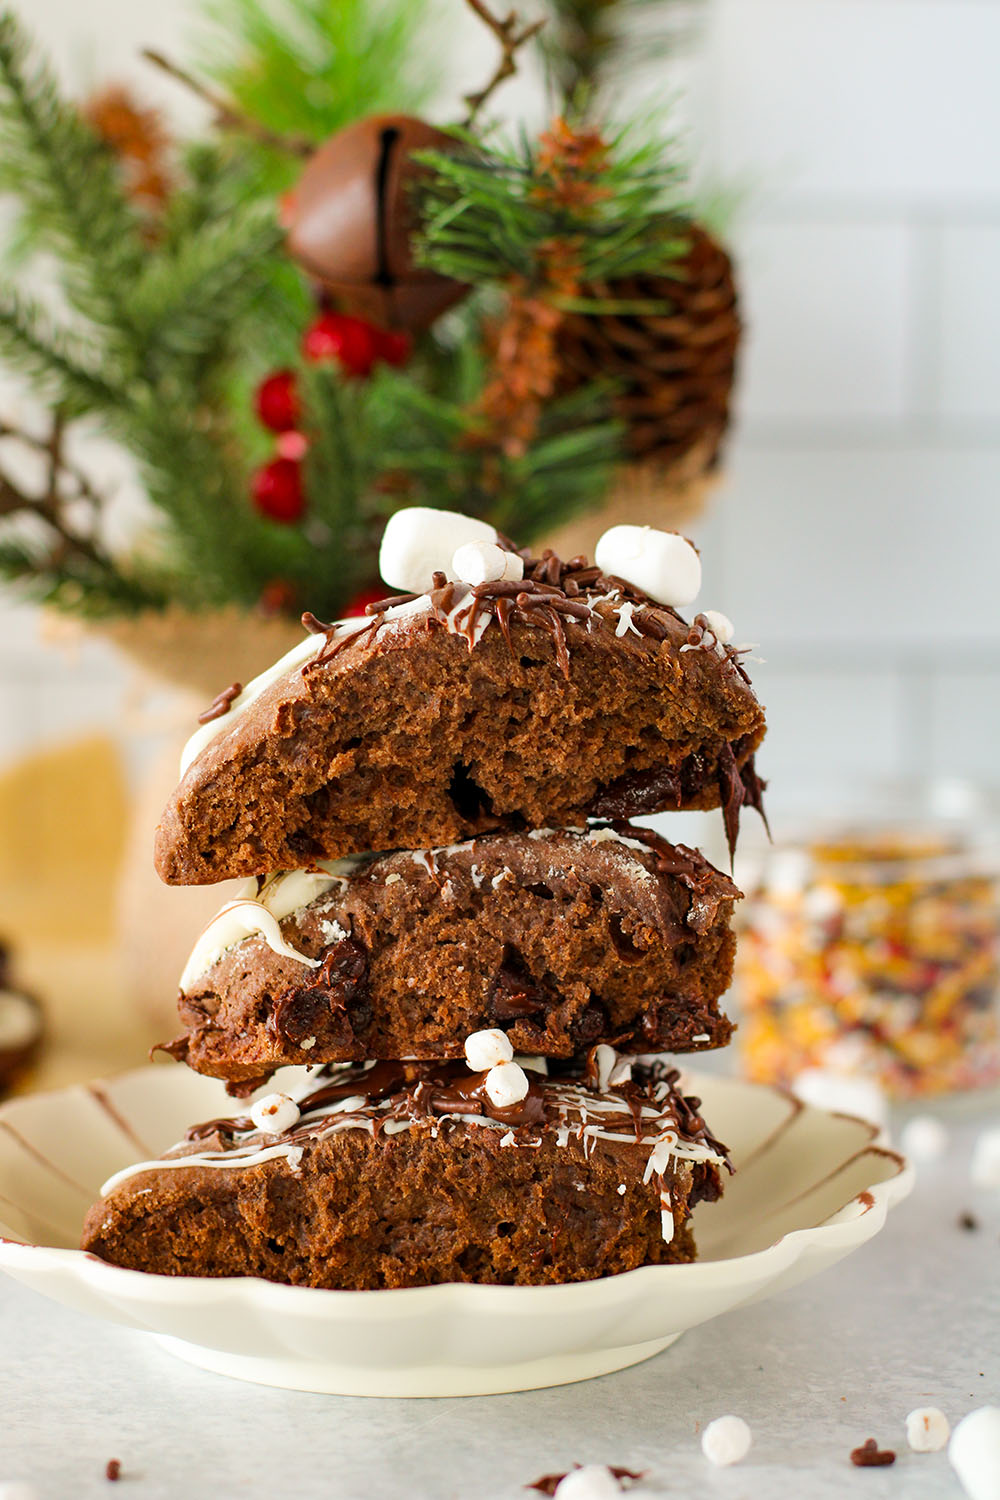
(738, 785)
(379, 1095)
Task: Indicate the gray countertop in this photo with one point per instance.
(911, 1319)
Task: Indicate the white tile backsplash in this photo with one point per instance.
(964, 729)
(827, 309)
(868, 101)
(970, 321)
(829, 722)
(862, 546)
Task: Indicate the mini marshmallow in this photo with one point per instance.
(985, 1167)
(418, 542)
(506, 1084)
(661, 563)
(727, 1440)
(974, 1452)
(720, 625)
(487, 1049)
(927, 1429)
(591, 1482)
(275, 1113)
(923, 1138)
(485, 562)
(17, 1489)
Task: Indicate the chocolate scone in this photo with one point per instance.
(406, 1174)
(558, 937)
(540, 703)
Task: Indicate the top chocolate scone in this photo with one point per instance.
(564, 695)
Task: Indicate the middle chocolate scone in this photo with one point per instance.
(558, 937)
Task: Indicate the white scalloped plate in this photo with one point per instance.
(810, 1187)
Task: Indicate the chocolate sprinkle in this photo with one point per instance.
(871, 1456)
(221, 704)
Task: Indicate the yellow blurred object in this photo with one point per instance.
(62, 822)
(63, 814)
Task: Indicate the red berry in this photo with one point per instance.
(395, 348)
(350, 341)
(369, 595)
(278, 491)
(276, 401)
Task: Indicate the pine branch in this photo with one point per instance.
(66, 180)
(226, 116)
(307, 68)
(586, 43)
(512, 36)
(64, 366)
(63, 561)
(193, 295)
(488, 213)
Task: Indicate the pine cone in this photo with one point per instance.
(675, 369)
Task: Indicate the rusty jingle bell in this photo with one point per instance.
(350, 222)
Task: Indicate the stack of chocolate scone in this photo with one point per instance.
(467, 958)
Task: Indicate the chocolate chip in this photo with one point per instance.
(871, 1456)
(333, 1007)
(968, 1221)
(637, 792)
(513, 993)
(590, 1025)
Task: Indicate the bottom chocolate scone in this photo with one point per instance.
(407, 1174)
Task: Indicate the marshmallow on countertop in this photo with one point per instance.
(927, 1429)
(727, 1440)
(985, 1167)
(591, 1482)
(485, 562)
(974, 1452)
(923, 1139)
(274, 1114)
(16, 1489)
(506, 1084)
(419, 542)
(487, 1049)
(660, 563)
